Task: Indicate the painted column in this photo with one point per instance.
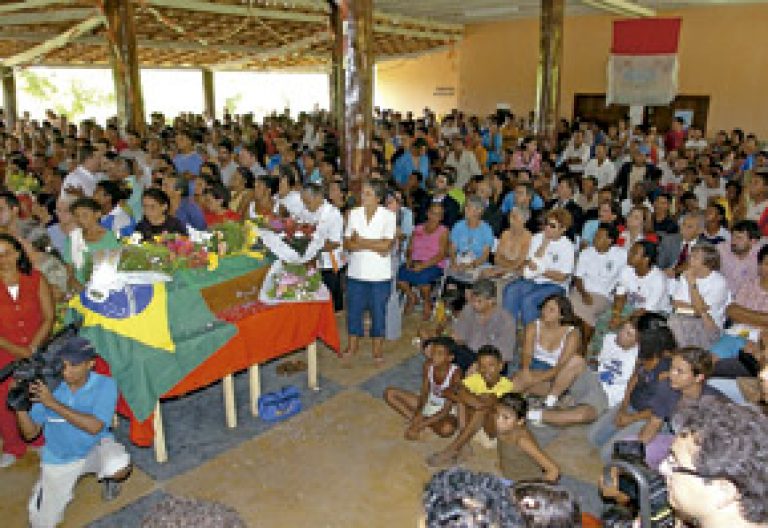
(121, 34)
(336, 76)
(550, 68)
(357, 29)
(9, 98)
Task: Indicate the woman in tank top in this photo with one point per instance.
(550, 360)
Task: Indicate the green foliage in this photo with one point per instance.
(72, 101)
(230, 103)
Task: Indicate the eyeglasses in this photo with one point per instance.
(671, 465)
(554, 225)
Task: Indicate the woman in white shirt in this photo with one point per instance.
(369, 238)
(700, 297)
(547, 269)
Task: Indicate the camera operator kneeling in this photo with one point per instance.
(75, 419)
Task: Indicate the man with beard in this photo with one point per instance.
(738, 259)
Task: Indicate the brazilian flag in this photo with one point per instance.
(152, 336)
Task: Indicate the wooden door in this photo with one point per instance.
(661, 116)
(591, 107)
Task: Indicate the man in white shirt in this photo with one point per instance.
(327, 241)
(601, 168)
(695, 140)
(82, 181)
(226, 162)
(596, 276)
(711, 186)
(463, 162)
(576, 154)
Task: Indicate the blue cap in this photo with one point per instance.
(76, 350)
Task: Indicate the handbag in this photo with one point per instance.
(280, 405)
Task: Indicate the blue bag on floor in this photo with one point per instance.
(279, 405)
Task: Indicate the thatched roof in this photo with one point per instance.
(213, 34)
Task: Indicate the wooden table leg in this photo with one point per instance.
(161, 453)
(228, 383)
(312, 381)
(255, 388)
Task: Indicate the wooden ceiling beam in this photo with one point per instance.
(47, 17)
(55, 42)
(31, 4)
(280, 51)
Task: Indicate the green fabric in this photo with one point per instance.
(108, 241)
(458, 195)
(229, 268)
(134, 201)
(144, 373)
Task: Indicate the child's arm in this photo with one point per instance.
(460, 394)
(424, 392)
(528, 444)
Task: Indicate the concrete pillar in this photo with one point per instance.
(357, 29)
(209, 95)
(550, 68)
(121, 33)
(9, 97)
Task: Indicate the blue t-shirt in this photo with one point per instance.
(472, 240)
(65, 443)
(188, 163)
(190, 214)
(404, 167)
(508, 203)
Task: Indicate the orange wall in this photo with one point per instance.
(411, 84)
(722, 54)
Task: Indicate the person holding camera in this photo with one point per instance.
(75, 420)
(26, 319)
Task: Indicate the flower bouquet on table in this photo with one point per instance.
(18, 182)
(293, 283)
(286, 236)
(228, 238)
(165, 253)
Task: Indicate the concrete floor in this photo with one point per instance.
(342, 463)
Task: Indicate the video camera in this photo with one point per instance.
(44, 365)
(649, 489)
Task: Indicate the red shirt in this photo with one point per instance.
(674, 140)
(22, 318)
(621, 242)
(214, 218)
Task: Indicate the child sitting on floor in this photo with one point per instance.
(520, 456)
(429, 409)
(476, 397)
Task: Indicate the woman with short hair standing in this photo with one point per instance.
(368, 238)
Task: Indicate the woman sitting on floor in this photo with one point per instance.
(550, 359)
(425, 259)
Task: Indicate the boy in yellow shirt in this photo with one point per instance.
(476, 399)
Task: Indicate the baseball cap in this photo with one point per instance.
(76, 350)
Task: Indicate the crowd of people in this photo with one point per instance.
(607, 276)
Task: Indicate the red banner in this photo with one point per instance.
(645, 36)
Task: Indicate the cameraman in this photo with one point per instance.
(75, 419)
(716, 470)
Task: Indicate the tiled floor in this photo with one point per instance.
(341, 463)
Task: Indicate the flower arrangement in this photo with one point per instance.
(295, 282)
(19, 182)
(166, 254)
(228, 238)
(295, 234)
